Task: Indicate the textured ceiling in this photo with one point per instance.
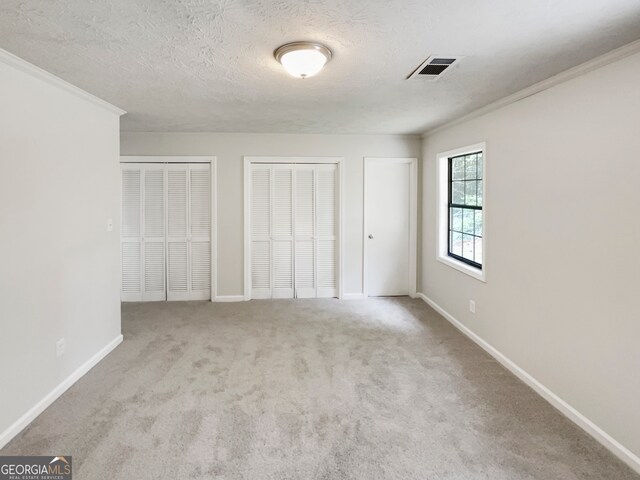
(204, 65)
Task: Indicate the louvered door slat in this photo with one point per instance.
(131, 281)
(261, 231)
(153, 233)
(282, 231)
(199, 201)
(131, 233)
(177, 203)
(305, 258)
(326, 227)
(177, 232)
(131, 202)
(199, 232)
(177, 270)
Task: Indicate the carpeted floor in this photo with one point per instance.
(307, 389)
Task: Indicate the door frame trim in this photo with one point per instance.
(413, 220)
(248, 160)
(213, 161)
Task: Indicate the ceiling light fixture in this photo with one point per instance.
(302, 59)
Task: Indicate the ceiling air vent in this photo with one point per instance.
(435, 67)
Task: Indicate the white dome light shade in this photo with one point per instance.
(303, 59)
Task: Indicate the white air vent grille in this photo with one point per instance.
(435, 67)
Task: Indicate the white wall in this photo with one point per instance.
(230, 149)
(563, 241)
(59, 268)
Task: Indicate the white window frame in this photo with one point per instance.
(442, 253)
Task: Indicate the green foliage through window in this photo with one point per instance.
(465, 208)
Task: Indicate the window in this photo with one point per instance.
(465, 208)
(461, 209)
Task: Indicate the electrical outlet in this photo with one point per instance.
(110, 225)
(472, 306)
(60, 347)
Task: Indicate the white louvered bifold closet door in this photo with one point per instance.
(199, 234)
(326, 230)
(305, 231)
(143, 233)
(272, 231)
(282, 231)
(177, 226)
(188, 232)
(153, 239)
(131, 233)
(261, 231)
(293, 230)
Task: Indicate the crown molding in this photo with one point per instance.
(37, 72)
(583, 68)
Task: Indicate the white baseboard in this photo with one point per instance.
(567, 410)
(352, 296)
(52, 396)
(229, 298)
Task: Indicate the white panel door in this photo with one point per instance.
(305, 231)
(387, 204)
(131, 233)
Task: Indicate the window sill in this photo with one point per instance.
(463, 267)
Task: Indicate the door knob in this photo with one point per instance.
(371, 236)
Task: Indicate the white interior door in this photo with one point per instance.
(387, 227)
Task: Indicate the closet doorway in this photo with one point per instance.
(292, 219)
(168, 228)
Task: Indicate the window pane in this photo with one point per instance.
(470, 192)
(479, 165)
(479, 194)
(478, 223)
(478, 250)
(457, 193)
(467, 247)
(457, 168)
(470, 167)
(468, 221)
(456, 243)
(456, 219)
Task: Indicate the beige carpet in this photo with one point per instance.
(307, 389)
